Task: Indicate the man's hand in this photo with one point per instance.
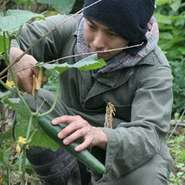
(76, 128)
(23, 69)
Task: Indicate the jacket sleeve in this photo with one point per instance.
(134, 143)
(46, 37)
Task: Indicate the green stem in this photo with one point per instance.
(22, 156)
(53, 105)
(8, 175)
(23, 170)
(10, 37)
(21, 162)
(5, 48)
(29, 127)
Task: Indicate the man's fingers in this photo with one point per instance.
(76, 135)
(77, 128)
(24, 80)
(69, 129)
(65, 119)
(87, 142)
(34, 71)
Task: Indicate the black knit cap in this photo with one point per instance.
(127, 18)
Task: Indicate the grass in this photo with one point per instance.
(177, 149)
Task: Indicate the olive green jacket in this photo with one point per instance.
(142, 96)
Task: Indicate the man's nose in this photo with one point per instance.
(99, 41)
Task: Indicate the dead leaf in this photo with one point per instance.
(38, 81)
(1, 180)
(110, 112)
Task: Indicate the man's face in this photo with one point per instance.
(100, 38)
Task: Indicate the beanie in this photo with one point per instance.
(127, 18)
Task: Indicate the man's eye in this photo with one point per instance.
(91, 26)
(113, 34)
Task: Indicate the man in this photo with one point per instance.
(136, 81)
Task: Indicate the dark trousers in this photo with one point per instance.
(57, 168)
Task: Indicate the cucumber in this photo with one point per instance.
(84, 156)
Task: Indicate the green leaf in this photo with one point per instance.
(39, 137)
(179, 21)
(86, 64)
(166, 36)
(5, 94)
(175, 5)
(63, 6)
(181, 50)
(162, 2)
(163, 19)
(14, 19)
(182, 156)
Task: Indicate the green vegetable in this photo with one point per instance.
(84, 156)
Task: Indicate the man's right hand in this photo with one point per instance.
(24, 69)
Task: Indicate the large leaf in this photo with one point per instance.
(14, 19)
(163, 19)
(63, 6)
(86, 64)
(40, 138)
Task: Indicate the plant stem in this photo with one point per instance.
(8, 175)
(22, 156)
(29, 127)
(21, 162)
(5, 48)
(53, 105)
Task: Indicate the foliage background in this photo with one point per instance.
(171, 18)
